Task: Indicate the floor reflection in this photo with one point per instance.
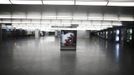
(67, 62)
(117, 53)
(42, 56)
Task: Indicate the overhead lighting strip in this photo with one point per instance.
(5, 2)
(73, 2)
(46, 2)
(120, 4)
(26, 2)
(91, 3)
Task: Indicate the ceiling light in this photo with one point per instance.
(95, 18)
(121, 4)
(5, 2)
(64, 17)
(49, 17)
(25, 2)
(91, 3)
(58, 2)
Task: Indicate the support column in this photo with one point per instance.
(37, 33)
(0, 32)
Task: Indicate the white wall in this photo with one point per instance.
(83, 34)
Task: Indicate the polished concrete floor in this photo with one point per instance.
(42, 56)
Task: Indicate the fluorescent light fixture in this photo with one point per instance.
(117, 32)
(18, 17)
(58, 2)
(95, 18)
(80, 18)
(121, 4)
(91, 3)
(116, 23)
(5, 2)
(126, 18)
(117, 35)
(111, 19)
(6, 21)
(49, 17)
(26, 2)
(105, 27)
(117, 38)
(96, 23)
(64, 17)
(107, 23)
(5, 17)
(131, 31)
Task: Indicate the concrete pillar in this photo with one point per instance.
(57, 33)
(0, 32)
(37, 33)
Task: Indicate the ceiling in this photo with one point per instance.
(72, 2)
(87, 16)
